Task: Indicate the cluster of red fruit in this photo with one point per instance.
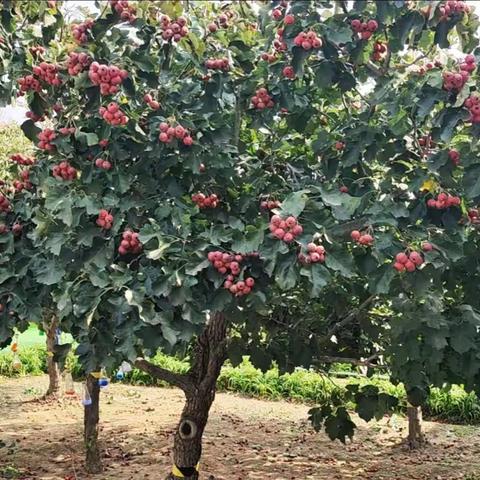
(429, 66)
(37, 50)
(218, 64)
(224, 262)
(240, 287)
(268, 57)
(455, 80)
(153, 104)
(64, 171)
(105, 219)
(443, 201)
(103, 143)
(474, 215)
(5, 205)
(473, 105)
(34, 117)
(279, 43)
(365, 29)
(286, 230)
(379, 49)
(130, 243)
(108, 77)
(175, 30)
(362, 238)
(451, 7)
(46, 138)
(103, 164)
(124, 9)
(222, 21)
(77, 62)
(315, 254)
(28, 83)
(468, 64)
(407, 262)
(307, 40)
(168, 133)
(24, 183)
(67, 130)
(262, 99)
(80, 30)
(113, 115)
(289, 72)
(205, 201)
(22, 159)
(48, 72)
(269, 204)
(454, 156)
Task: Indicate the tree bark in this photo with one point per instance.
(199, 387)
(93, 461)
(53, 368)
(416, 438)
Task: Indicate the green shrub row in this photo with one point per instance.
(454, 406)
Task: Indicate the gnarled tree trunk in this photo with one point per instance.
(199, 386)
(415, 436)
(93, 461)
(53, 369)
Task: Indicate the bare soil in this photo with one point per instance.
(245, 439)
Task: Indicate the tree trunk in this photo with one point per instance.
(209, 355)
(93, 462)
(415, 436)
(53, 368)
(199, 386)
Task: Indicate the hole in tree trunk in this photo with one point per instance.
(187, 429)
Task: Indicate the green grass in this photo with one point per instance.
(454, 406)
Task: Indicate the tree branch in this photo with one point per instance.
(351, 316)
(176, 379)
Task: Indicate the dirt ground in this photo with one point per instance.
(245, 439)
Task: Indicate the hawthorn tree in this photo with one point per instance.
(199, 158)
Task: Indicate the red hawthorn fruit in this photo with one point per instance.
(427, 247)
(289, 72)
(130, 243)
(289, 19)
(17, 229)
(105, 219)
(343, 189)
(454, 156)
(355, 235)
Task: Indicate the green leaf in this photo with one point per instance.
(340, 261)
(30, 130)
(325, 74)
(471, 181)
(49, 273)
(340, 426)
(379, 281)
(298, 59)
(294, 203)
